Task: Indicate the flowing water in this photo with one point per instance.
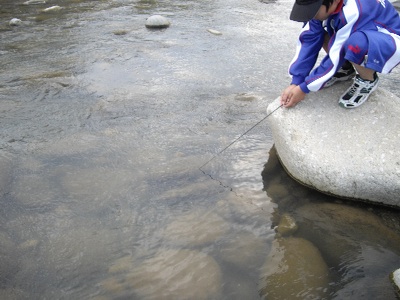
(104, 127)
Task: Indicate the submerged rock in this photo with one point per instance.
(176, 274)
(52, 8)
(196, 228)
(294, 269)
(243, 250)
(15, 22)
(157, 21)
(346, 153)
(287, 225)
(356, 245)
(34, 2)
(343, 229)
(214, 32)
(395, 278)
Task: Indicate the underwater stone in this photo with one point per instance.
(176, 274)
(346, 153)
(287, 225)
(395, 277)
(157, 21)
(294, 269)
(214, 32)
(15, 22)
(243, 250)
(196, 228)
(52, 8)
(33, 2)
(277, 190)
(352, 239)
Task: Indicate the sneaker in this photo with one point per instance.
(359, 92)
(341, 75)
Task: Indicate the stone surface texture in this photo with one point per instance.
(396, 280)
(350, 153)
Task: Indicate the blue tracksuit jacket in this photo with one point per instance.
(372, 17)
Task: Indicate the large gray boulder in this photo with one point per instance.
(351, 153)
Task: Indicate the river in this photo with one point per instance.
(113, 183)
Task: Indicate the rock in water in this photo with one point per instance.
(215, 32)
(395, 277)
(346, 153)
(52, 8)
(176, 274)
(34, 2)
(287, 225)
(157, 21)
(15, 22)
(294, 269)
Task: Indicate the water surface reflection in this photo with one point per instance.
(104, 127)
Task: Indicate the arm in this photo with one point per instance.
(309, 44)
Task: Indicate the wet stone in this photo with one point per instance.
(395, 278)
(294, 269)
(342, 229)
(196, 228)
(34, 2)
(120, 32)
(361, 164)
(157, 21)
(287, 225)
(277, 190)
(15, 22)
(54, 8)
(214, 32)
(356, 244)
(174, 274)
(243, 250)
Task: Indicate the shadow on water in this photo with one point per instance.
(358, 243)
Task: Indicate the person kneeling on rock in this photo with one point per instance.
(361, 38)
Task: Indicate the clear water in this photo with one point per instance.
(104, 126)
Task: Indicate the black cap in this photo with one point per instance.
(305, 10)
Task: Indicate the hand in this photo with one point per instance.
(292, 95)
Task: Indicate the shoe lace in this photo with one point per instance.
(353, 89)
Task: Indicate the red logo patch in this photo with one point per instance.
(356, 49)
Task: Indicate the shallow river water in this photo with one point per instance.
(113, 184)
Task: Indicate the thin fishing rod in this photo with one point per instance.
(239, 137)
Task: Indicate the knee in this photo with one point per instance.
(356, 47)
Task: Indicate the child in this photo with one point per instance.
(365, 33)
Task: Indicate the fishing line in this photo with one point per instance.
(220, 152)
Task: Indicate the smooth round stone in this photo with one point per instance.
(196, 228)
(395, 278)
(52, 8)
(34, 2)
(294, 269)
(15, 22)
(287, 225)
(157, 21)
(177, 274)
